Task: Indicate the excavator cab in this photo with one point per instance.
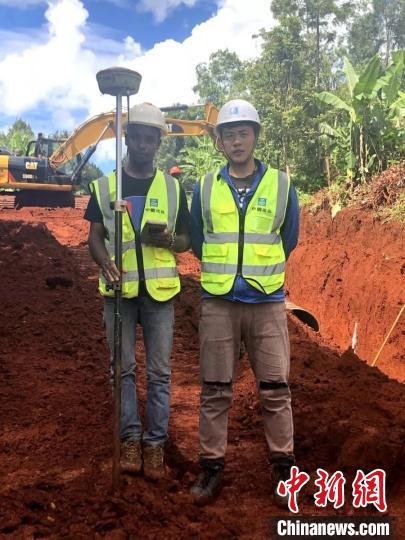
(43, 147)
(37, 183)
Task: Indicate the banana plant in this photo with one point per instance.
(200, 158)
(375, 113)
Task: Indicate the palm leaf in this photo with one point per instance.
(352, 77)
(368, 79)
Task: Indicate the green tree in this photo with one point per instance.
(378, 27)
(319, 18)
(372, 128)
(89, 173)
(60, 135)
(167, 154)
(281, 84)
(220, 79)
(197, 160)
(17, 137)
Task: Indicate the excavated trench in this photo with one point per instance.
(350, 273)
(55, 399)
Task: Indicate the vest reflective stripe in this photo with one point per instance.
(105, 204)
(206, 198)
(220, 238)
(258, 249)
(162, 272)
(126, 277)
(251, 238)
(270, 270)
(162, 204)
(219, 268)
(125, 246)
(257, 238)
(172, 201)
(282, 198)
(252, 270)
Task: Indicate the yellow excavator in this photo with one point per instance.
(49, 173)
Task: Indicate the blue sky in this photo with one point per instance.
(52, 49)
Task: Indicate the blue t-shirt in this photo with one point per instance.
(242, 291)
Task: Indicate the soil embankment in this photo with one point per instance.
(350, 272)
(55, 403)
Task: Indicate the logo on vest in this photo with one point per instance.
(154, 202)
(261, 207)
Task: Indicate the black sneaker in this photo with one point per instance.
(281, 470)
(207, 485)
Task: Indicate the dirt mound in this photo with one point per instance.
(388, 186)
(55, 398)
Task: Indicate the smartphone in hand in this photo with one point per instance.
(154, 227)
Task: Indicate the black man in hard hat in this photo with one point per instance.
(244, 224)
(149, 281)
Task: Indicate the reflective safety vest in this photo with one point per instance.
(161, 204)
(248, 245)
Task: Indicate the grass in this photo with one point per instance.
(396, 212)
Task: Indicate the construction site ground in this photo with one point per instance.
(56, 404)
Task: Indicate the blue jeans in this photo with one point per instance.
(157, 321)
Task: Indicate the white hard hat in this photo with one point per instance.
(237, 110)
(147, 114)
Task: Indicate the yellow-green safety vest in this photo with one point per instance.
(161, 204)
(248, 245)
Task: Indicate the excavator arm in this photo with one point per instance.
(102, 127)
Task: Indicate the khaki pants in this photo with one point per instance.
(263, 328)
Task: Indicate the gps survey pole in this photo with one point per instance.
(118, 82)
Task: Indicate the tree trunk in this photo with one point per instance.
(361, 153)
(327, 168)
(318, 39)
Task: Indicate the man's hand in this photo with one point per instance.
(100, 254)
(110, 271)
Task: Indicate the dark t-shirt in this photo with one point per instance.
(138, 187)
(242, 186)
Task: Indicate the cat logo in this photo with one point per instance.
(31, 165)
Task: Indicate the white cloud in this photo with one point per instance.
(54, 73)
(13, 41)
(161, 8)
(49, 72)
(100, 40)
(168, 69)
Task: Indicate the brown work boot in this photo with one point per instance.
(131, 457)
(153, 462)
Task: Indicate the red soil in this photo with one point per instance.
(350, 271)
(55, 402)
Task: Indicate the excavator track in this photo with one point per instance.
(11, 201)
(48, 199)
